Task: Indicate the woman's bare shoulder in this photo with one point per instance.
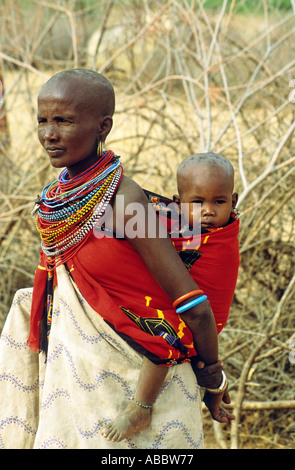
(131, 191)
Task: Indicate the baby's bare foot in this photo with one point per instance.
(133, 419)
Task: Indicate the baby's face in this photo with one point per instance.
(212, 188)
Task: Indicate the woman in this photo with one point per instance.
(88, 336)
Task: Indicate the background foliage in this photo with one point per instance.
(190, 76)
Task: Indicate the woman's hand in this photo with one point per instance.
(218, 413)
(210, 377)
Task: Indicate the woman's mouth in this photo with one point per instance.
(54, 151)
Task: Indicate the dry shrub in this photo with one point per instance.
(188, 79)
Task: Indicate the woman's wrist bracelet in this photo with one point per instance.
(187, 296)
(222, 387)
(191, 304)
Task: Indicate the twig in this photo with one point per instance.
(270, 168)
(246, 368)
(19, 63)
(133, 40)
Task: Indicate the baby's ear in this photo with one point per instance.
(234, 200)
(176, 199)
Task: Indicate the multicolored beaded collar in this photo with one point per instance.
(68, 209)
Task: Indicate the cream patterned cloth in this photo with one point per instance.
(89, 377)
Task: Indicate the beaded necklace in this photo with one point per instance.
(68, 209)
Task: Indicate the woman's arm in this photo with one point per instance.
(167, 268)
(169, 271)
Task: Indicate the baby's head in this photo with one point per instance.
(208, 179)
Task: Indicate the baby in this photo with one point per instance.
(207, 179)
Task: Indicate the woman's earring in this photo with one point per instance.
(100, 149)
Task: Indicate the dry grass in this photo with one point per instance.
(187, 80)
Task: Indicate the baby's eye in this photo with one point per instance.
(220, 201)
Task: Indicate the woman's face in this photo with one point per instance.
(70, 125)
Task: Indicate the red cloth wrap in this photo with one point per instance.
(118, 277)
(109, 274)
(38, 301)
(216, 271)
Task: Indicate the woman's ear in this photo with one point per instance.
(105, 125)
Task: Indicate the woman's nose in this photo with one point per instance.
(50, 132)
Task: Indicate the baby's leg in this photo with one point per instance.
(137, 415)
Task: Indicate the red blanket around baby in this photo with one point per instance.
(216, 270)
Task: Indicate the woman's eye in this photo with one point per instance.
(65, 119)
